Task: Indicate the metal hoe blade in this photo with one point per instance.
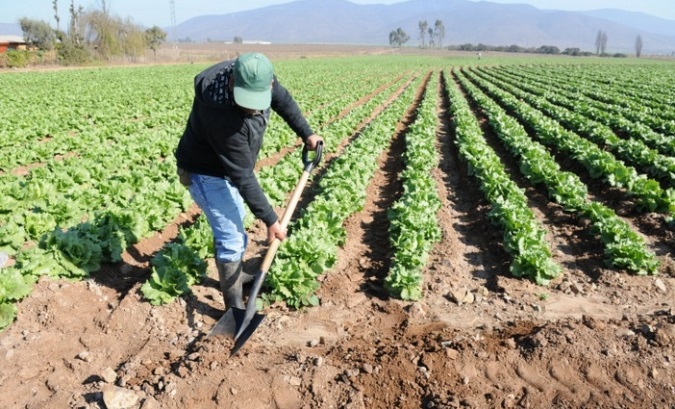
(246, 330)
(226, 326)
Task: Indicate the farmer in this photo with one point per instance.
(218, 150)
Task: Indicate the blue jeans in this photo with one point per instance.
(224, 209)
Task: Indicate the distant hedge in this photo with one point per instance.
(25, 58)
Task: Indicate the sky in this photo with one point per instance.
(158, 12)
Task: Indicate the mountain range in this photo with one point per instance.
(496, 24)
(343, 22)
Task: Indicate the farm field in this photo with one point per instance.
(493, 233)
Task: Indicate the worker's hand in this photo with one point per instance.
(312, 141)
(275, 232)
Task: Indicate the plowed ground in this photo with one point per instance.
(596, 338)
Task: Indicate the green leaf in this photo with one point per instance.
(7, 314)
(13, 285)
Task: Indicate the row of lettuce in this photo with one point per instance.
(312, 248)
(106, 178)
(624, 248)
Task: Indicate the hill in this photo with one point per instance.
(343, 22)
(641, 21)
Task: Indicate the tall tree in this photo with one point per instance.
(134, 40)
(56, 14)
(598, 42)
(423, 26)
(439, 32)
(75, 32)
(111, 36)
(638, 46)
(103, 6)
(603, 47)
(430, 31)
(104, 34)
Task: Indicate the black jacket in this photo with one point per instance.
(221, 140)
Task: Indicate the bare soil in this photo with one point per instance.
(479, 338)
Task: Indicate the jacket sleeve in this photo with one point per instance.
(284, 105)
(235, 154)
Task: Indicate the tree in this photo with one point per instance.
(598, 42)
(154, 37)
(71, 48)
(638, 46)
(439, 32)
(75, 31)
(601, 42)
(513, 48)
(574, 51)
(423, 26)
(56, 14)
(134, 41)
(431, 37)
(103, 6)
(111, 36)
(38, 33)
(548, 49)
(398, 37)
(103, 34)
(61, 36)
(238, 40)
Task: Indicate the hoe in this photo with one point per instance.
(247, 321)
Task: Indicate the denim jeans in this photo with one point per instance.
(224, 209)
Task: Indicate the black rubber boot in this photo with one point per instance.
(247, 277)
(230, 276)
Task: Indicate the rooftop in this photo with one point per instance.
(11, 39)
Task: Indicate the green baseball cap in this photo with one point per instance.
(253, 74)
